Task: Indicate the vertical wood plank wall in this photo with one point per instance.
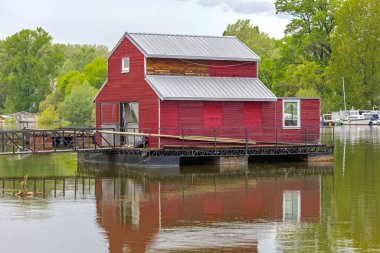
(129, 87)
(260, 118)
(182, 67)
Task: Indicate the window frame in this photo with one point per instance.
(124, 68)
(284, 101)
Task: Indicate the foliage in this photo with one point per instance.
(52, 99)
(258, 41)
(356, 53)
(311, 25)
(29, 64)
(96, 72)
(49, 115)
(78, 105)
(78, 56)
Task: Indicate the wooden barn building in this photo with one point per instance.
(185, 85)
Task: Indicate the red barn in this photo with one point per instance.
(197, 86)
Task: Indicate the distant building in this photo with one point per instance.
(175, 84)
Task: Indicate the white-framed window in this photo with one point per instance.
(125, 65)
(291, 116)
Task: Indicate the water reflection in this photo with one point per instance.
(283, 207)
(200, 213)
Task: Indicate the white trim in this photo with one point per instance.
(124, 68)
(298, 113)
(159, 122)
(101, 88)
(144, 65)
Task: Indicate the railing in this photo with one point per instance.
(212, 137)
(76, 139)
(46, 141)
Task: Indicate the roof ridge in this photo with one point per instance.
(182, 35)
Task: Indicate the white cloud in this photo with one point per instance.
(241, 6)
(104, 22)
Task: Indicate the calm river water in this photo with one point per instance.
(287, 207)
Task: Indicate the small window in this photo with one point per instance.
(291, 113)
(125, 65)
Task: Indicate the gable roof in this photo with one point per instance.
(191, 47)
(209, 88)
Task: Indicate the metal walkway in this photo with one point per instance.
(50, 141)
(92, 140)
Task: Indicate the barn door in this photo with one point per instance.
(109, 119)
(129, 121)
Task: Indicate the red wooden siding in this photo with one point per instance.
(129, 87)
(228, 118)
(212, 114)
(310, 120)
(232, 69)
(190, 114)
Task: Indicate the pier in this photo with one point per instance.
(152, 149)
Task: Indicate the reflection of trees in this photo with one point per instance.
(350, 219)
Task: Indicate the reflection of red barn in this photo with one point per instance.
(168, 84)
(171, 206)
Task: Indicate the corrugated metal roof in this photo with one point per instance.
(209, 88)
(192, 47)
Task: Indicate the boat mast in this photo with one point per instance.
(344, 95)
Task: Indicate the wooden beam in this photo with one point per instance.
(180, 137)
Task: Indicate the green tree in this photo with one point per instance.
(356, 53)
(259, 42)
(96, 72)
(78, 56)
(311, 26)
(78, 106)
(29, 65)
(68, 80)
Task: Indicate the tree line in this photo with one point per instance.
(326, 40)
(56, 81)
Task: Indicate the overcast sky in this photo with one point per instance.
(104, 21)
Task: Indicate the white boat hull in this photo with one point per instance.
(364, 122)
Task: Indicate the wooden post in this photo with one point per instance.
(214, 138)
(246, 140)
(183, 139)
(114, 139)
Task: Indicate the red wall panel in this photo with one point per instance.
(212, 114)
(232, 69)
(190, 114)
(233, 114)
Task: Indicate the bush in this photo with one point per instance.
(48, 116)
(78, 106)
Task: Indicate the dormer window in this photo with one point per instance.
(125, 65)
